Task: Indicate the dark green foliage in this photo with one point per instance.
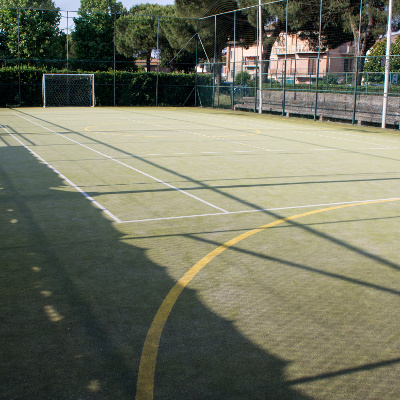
(180, 53)
(330, 79)
(139, 33)
(375, 62)
(242, 78)
(39, 35)
(132, 89)
(93, 36)
(97, 6)
(140, 89)
(31, 86)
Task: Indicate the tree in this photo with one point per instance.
(367, 30)
(180, 53)
(303, 19)
(139, 33)
(375, 61)
(216, 32)
(366, 33)
(101, 6)
(93, 36)
(242, 78)
(32, 24)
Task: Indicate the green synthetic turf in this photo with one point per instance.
(308, 309)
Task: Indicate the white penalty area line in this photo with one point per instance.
(258, 210)
(96, 203)
(127, 166)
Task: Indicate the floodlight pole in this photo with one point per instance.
(387, 64)
(260, 29)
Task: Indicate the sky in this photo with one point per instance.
(73, 5)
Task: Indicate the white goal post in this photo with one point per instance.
(68, 90)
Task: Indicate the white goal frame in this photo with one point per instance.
(64, 83)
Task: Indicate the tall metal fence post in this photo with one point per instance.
(357, 66)
(318, 60)
(19, 63)
(234, 60)
(114, 57)
(387, 65)
(285, 66)
(197, 60)
(157, 55)
(284, 87)
(67, 42)
(215, 56)
(260, 29)
(353, 121)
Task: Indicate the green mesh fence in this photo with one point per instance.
(301, 59)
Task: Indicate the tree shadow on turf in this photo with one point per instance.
(77, 303)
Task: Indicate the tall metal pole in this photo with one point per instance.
(357, 65)
(197, 61)
(157, 55)
(319, 55)
(260, 29)
(215, 57)
(234, 60)
(67, 44)
(285, 66)
(114, 57)
(387, 64)
(19, 63)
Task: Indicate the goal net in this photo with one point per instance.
(68, 90)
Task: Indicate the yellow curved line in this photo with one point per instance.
(87, 129)
(147, 366)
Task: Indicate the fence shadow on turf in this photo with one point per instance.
(216, 189)
(77, 304)
(247, 377)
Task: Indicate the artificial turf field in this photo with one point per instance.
(197, 254)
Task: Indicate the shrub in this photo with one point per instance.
(131, 88)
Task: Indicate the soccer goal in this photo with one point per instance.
(68, 90)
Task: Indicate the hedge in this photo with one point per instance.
(131, 88)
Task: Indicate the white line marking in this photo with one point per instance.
(257, 210)
(362, 148)
(383, 146)
(96, 203)
(199, 134)
(268, 124)
(128, 166)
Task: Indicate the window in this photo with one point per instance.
(348, 65)
(312, 66)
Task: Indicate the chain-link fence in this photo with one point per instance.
(286, 57)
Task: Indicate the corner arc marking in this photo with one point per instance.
(147, 366)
